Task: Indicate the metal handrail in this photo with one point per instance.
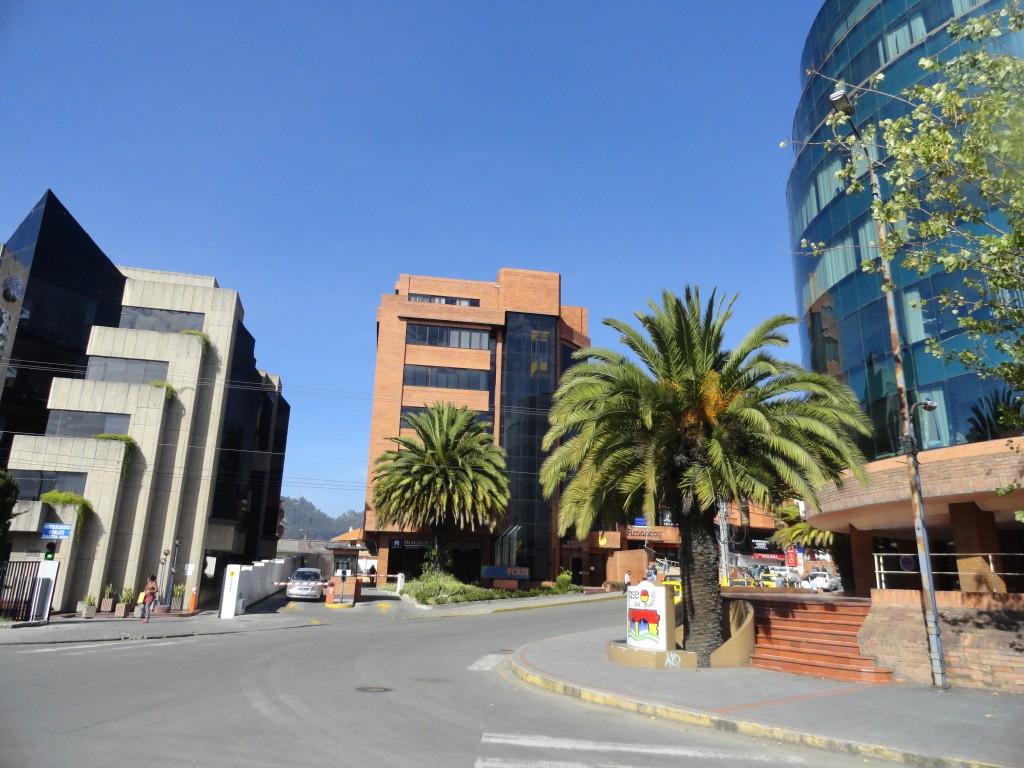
(881, 571)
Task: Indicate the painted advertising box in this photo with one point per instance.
(650, 618)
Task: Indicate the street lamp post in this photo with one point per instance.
(841, 103)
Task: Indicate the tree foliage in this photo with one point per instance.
(684, 422)
(450, 476)
(953, 165)
(8, 496)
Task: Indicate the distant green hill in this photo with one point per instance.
(302, 519)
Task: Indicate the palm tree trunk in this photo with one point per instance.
(702, 595)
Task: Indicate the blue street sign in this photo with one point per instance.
(58, 531)
(640, 522)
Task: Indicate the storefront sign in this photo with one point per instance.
(791, 557)
(760, 544)
(519, 572)
(767, 556)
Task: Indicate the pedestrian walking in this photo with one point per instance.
(625, 582)
(149, 598)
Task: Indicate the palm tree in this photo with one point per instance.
(450, 476)
(690, 424)
(797, 532)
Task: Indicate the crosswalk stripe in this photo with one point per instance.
(488, 663)
(550, 742)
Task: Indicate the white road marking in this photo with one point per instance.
(497, 762)
(124, 645)
(550, 743)
(488, 663)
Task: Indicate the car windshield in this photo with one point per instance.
(306, 576)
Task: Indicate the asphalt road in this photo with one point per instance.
(383, 684)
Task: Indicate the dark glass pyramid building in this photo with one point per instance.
(56, 285)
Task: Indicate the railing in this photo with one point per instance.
(985, 571)
(17, 588)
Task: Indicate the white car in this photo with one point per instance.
(819, 581)
(307, 583)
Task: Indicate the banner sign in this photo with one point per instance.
(56, 531)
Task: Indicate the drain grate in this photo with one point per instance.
(373, 689)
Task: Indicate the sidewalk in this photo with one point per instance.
(70, 629)
(268, 614)
(910, 724)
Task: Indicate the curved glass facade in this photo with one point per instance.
(841, 307)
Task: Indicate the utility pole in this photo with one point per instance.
(723, 542)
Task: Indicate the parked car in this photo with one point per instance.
(307, 583)
(819, 581)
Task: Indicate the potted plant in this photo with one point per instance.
(125, 602)
(177, 596)
(88, 607)
(107, 603)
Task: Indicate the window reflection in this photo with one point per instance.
(165, 320)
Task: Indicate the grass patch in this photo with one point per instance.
(442, 588)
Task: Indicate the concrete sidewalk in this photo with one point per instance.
(910, 724)
(268, 614)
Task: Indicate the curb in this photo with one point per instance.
(734, 725)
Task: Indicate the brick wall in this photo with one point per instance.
(983, 646)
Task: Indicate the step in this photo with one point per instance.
(804, 625)
(839, 656)
(828, 607)
(866, 673)
(770, 636)
(808, 610)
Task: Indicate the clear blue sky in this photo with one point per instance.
(307, 153)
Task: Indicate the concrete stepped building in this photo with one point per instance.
(136, 392)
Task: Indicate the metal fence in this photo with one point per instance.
(986, 568)
(18, 584)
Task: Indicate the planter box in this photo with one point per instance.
(88, 611)
(121, 610)
(106, 604)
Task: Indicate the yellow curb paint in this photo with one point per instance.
(382, 607)
(338, 605)
(744, 727)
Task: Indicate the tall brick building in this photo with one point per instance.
(497, 348)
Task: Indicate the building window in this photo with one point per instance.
(86, 424)
(125, 370)
(33, 483)
(446, 378)
(444, 336)
(165, 320)
(456, 301)
(480, 416)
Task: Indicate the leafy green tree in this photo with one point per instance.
(687, 423)
(953, 165)
(8, 496)
(450, 476)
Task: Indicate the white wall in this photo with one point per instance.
(248, 584)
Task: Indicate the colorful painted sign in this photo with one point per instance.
(650, 618)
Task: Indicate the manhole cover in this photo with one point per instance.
(373, 689)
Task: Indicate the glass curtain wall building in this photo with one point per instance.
(842, 307)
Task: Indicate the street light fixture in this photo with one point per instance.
(841, 103)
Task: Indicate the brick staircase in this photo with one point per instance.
(814, 636)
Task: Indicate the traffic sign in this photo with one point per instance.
(59, 531)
